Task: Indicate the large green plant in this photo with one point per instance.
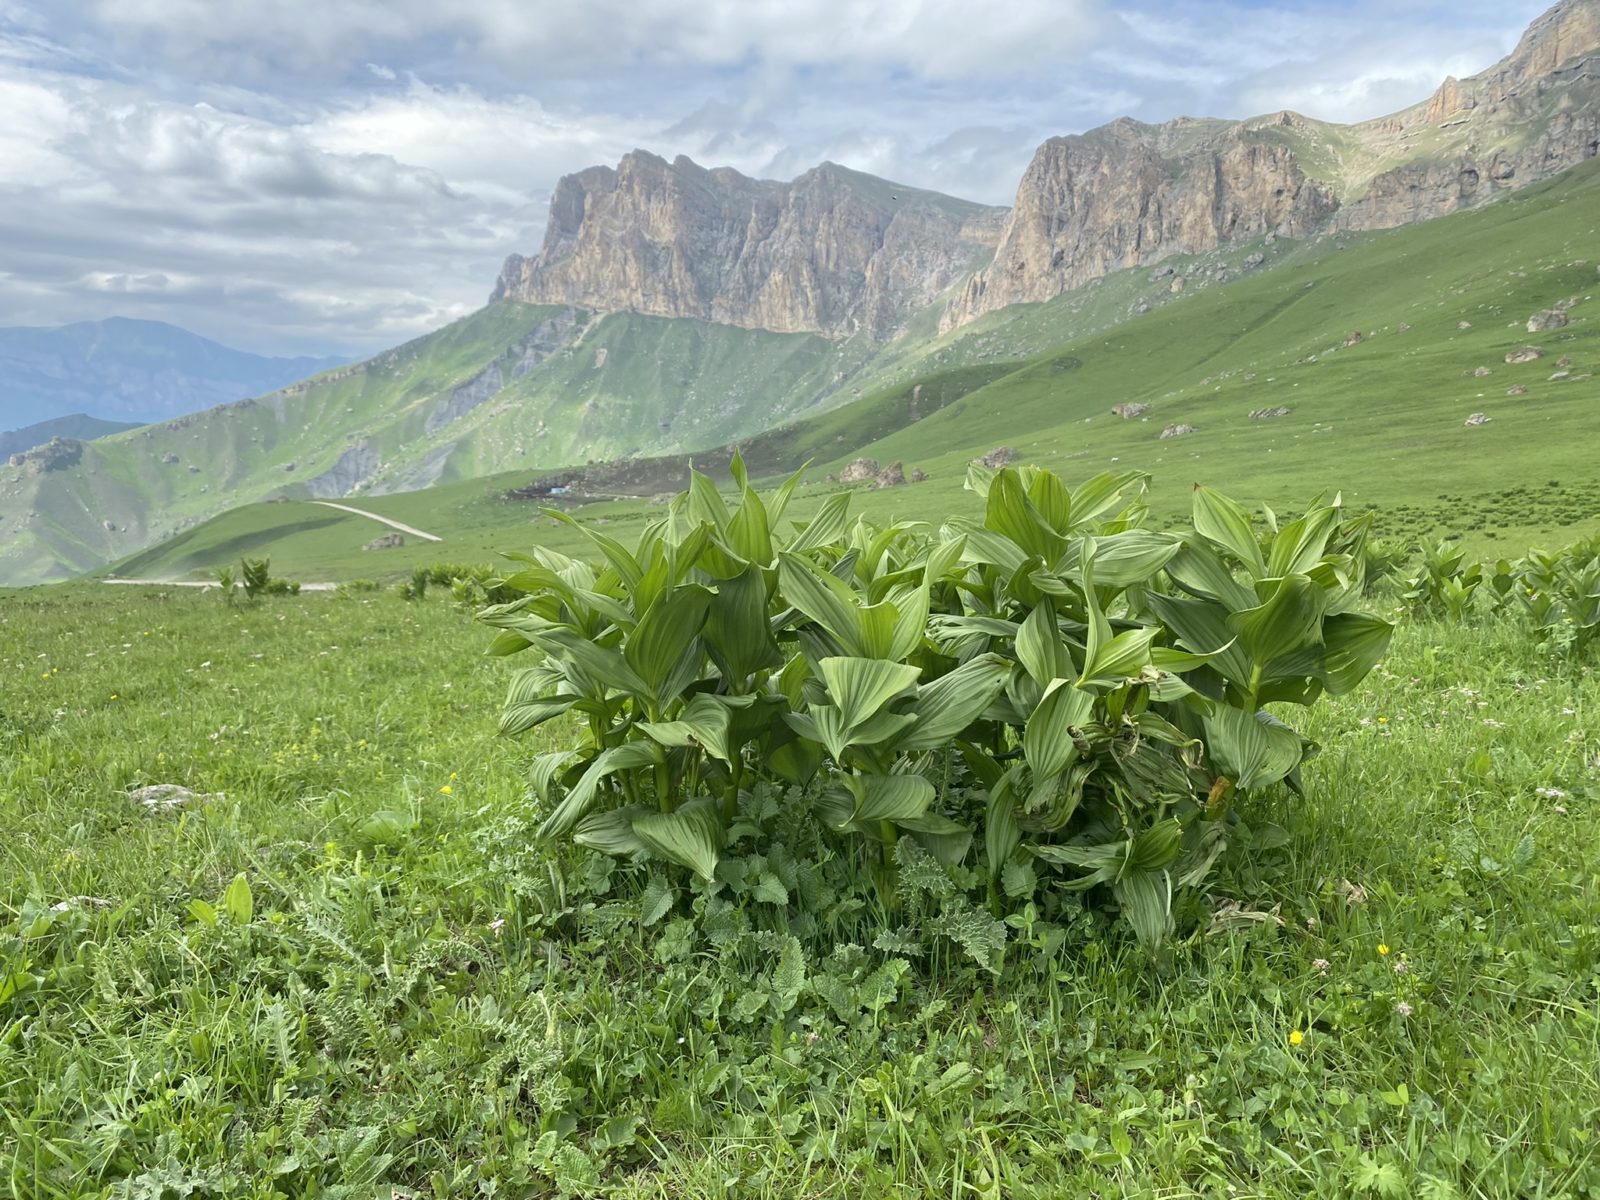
(1099, 687)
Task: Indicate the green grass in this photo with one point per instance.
(374, 1022)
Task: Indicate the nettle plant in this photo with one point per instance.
(1046, 687)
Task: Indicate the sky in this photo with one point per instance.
(338, 176)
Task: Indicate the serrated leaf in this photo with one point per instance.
(656, 901)
(789, 976)
(770, 890)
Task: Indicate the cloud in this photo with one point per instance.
(340, 175)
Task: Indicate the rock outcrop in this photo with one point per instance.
(834, 252)
(1129, 195)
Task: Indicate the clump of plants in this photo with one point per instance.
(255, 579)
(1561, 594)
(1044, 687)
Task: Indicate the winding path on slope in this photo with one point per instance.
(361, 512)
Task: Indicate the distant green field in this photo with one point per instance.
(1381, 420)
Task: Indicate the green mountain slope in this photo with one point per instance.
(1382, 418)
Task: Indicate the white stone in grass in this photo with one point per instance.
(164, 797)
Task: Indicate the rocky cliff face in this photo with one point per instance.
(834, 252)
(1128, 195)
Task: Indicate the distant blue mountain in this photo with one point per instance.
(126, 370)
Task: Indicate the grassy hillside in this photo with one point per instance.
(1382, 419)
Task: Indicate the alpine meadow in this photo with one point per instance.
(818, 688)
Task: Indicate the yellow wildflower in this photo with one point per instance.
(447, 790)
(1296, 1037)
(1382, 949)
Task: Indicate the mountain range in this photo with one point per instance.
(126, 370)
(674, 308)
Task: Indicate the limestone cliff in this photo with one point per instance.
(1127, 194)
(834, 252)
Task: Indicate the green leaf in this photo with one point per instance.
(951, 703)
(1047, 740)
(1202, 627)
(1288, 619)
(1352, 645)
(736, 631)
(1145, 898)
(1001, 833)
(1040, 648)
(748, 534)
(889, 797)
(946, 840)
(549, 767)
(602, 664)
(1132, 556)
(826, 526)
(1012, 514)
(663, 649)
(519, 718)
(238, 902)
(705, 721)
(770, 890)
(860, 687)
(789, 976)
(1156, 847)
(1199, 570)
(690, 836)
(823, 598)
(705, 503)
(1095, 497)
(1247, 749)
(1301, 544)
(657, 900)
(626, 757)
(1222, 521)
(611, 832)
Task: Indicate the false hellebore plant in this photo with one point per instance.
(1101, 688)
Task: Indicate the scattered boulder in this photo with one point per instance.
(1177, 431)
(599, 358)
(1478, 419)
(169, 459)
(289, 467)
(1177, 284)
(1525, 355)
(919, 475)
(832, 478)
(1560, 375)
(193, 470)
(1544, 322)
(165, 797)
(1165, 272)
(1266, 414)
(1483, 372)
(389, 541)
(894, 475)
(860, 471)
(1520, 390)
(1563, 362)
(1355, 338)
(1000, 456)
(1463, 324)
(55, 455)
(1402, 328)
(1254, 261)
(1129, 412)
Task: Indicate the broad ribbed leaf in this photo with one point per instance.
(1202, 627)
(1199, 569)
(1133, 556)
(611, 831)
(1156, 847)
(1228, 525)
(736, 630)
(1123, 657)
(1040, 648)
(548, 768)
(690, 836)
(822, 597)
(1051, 500)
(705, 721)
(664, 649)
(1047, 740)
(1145, 898)
(825, 526)
(1001, 833)
(859, 687)
(748, 533)
(575, 803)
(889, 797)
(947, 840)
(706, 503)
(1012, 514)
(949, 704)
(984, 546)
(1300, 544)
(601, 663)
(1288, 619)
(1248, 750)
(519, 718)
(911, 621)
(1094, 498)
(1352, 645)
